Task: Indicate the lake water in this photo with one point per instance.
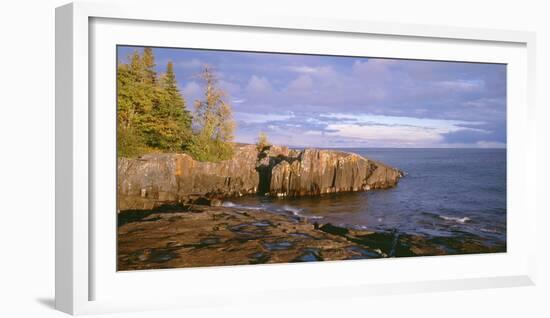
(445, 192)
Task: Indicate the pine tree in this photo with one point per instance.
(129, 141)
(141, 91)
(170, 127)
(148, 62)
(135, 102)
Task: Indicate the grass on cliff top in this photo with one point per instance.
(208, 152)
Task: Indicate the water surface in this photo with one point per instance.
(445, 193)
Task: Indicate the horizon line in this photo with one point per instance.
(329, 147)
(369, 147)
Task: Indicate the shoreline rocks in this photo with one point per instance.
(213, 236)
(153, 180)
(197, 235)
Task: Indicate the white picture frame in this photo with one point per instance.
(78, 160)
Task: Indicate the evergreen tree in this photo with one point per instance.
(152, 114)
(135, 99)
(176, 101)
(148, 62)
(129, 107)
(141, 90)
(170, 125)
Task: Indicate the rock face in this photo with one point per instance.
(156, 179)
(313, 172)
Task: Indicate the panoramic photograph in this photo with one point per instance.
(238, 158)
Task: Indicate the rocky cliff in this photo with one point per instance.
(313, 172)
(156, 179)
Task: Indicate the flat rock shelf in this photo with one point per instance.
(195, 236)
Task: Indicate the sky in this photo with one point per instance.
(347, 102)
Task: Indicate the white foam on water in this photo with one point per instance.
(298, 212)
(314, 217)
(293, 210)
(287, 208)
(455, 219)
(229, 204)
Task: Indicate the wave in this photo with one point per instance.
(229, 204)
(455, 219)
(495, 231)
(298, 212)
(293, 210)
(314, 217)
(285, 208)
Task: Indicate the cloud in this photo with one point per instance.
(374, 68)
(405, 134)
(258, 85)
(346, 129)
(484, 103)
(462, 85)
(441, 125)
(304, 69)
(192, 64)
(302, 84)
(255, 118)
(490, 144)
(192, 89)
(465, 136)
(233, 89)
(407, 130)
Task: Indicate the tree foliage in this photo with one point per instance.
(152, 114)
(168, 125)
(262, 141)
(214, 133)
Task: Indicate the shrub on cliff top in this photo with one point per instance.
(262, 142)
